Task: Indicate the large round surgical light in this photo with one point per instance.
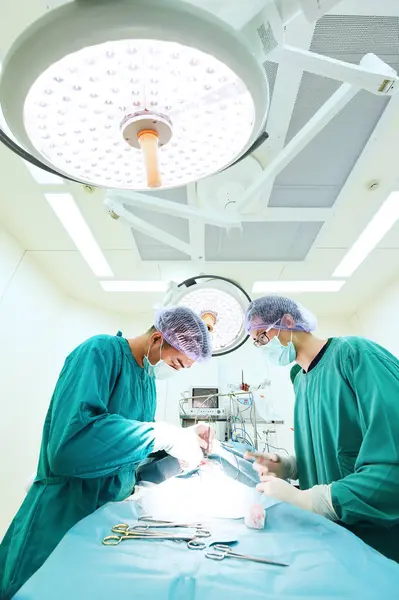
(133, 94)
(221, 303)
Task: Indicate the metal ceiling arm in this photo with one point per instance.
(153, 203)
(118, 211)
(372, 74)
(298, 33)
(196, 228)
(323, 116)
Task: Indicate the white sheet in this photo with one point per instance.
(209, 494)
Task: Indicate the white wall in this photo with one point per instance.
(29, 306)
(379, 319)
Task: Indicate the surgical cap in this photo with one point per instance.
(268, 311)
(183, 329)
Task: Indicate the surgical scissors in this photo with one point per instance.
(221, 551)
(125, 529)
(196, 544)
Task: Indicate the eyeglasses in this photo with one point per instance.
(263, 339)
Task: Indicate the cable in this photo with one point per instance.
(247, 438)
(237, 467)
(208, 417)
(181, 402)
(241, 440)
(282, 449)
(254, 423)
(275, 448)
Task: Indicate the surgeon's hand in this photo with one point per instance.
(285, 492)
(273, 464)
(182, 443)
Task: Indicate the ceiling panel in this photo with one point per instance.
(271, 72)
(330, 157)
(304, 196)
(358, 117)
(356, 35)
(178, 194)
(348, 38)
(176, 226)
(313, 92)
(151, 249)
(261, 242)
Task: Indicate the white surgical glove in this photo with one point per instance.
(207, 435)
(317, 499)
(283, 467)
(285, 492)
(183, 443)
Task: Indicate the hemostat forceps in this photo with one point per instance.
(150, 523)
(114, 540)
(125, 529)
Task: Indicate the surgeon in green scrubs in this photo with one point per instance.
(346, 424)
(99, 427)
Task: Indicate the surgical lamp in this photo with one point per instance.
(139, 94)
(132, 94)
(220, 302)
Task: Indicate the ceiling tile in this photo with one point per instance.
(330, 157)
(355, 34)
(261, 242)
(153, 250)
(303, 196)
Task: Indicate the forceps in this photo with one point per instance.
(222, 551)
(125, 529)
(114, 540)
(160, 522)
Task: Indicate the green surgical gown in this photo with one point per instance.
(93, 439)
(347, 435)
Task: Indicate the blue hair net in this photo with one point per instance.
(183, 329)
(270, 311)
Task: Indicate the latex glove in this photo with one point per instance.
(283, 467)
(206, 434)
(181, 443)
(285, 492)
(255, 517)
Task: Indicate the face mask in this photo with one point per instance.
(161, 370)
(278, 354)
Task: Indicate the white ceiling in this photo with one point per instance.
(301, 227)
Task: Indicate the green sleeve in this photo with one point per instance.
(294, 372)
(371, 493)
(85, 439)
